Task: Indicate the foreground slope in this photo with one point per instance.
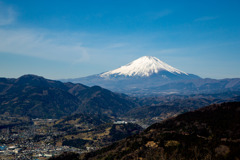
(212, 132)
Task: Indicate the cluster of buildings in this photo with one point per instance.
(41, 152)
(31, 142)
(38, 140)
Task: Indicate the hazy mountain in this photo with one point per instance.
(209, 133)
(38, 97)
(150, 76)
(197, 86)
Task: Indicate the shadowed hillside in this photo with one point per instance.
(212, 132)
(37, 97)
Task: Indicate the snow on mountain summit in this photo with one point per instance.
(144, 67)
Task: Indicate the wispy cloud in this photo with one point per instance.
(38, 44)
(7, 14)
(162, 14)
(206, 18)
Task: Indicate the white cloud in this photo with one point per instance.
(7, 15)
(39, 44)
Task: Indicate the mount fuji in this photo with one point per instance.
(143, 67)
(140, 76)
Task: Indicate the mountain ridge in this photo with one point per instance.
(147, 76)
(37, 97)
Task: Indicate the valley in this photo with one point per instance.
(41, 118)
(44, 138)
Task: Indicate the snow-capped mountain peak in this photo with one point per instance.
(143, 67)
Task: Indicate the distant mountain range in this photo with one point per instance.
(37, 97)
(151, 76)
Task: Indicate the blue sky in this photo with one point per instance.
(71, 39)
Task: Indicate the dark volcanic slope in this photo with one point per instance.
(38, 97)
(212, 132)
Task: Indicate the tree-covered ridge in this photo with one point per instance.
(37, 97)
(212, 132)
